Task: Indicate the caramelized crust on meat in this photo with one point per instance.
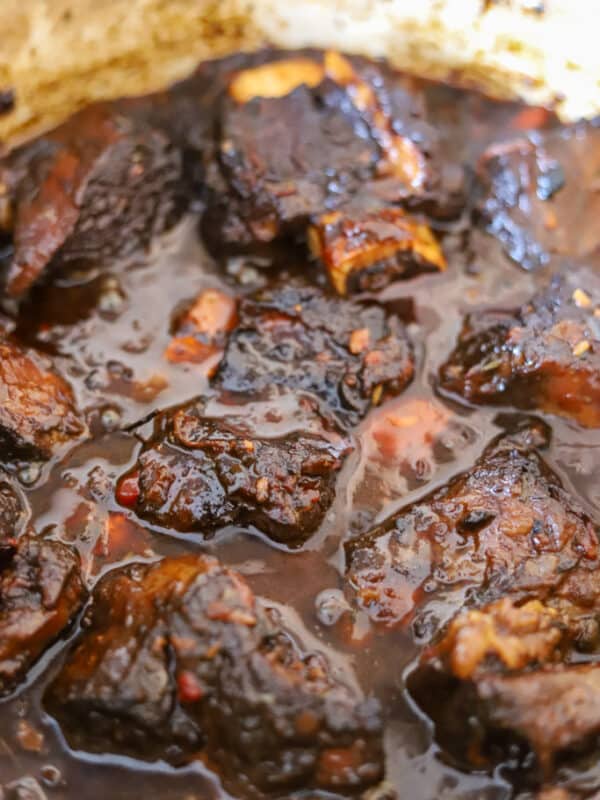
(350, 355)
(545, 356)
(505, 528)
(504, 633)
(275, 79)
(178, 661)
(553, 710)
(41, 592)
(37, 407)
(99, 186)
(366, 250)
(300, 136)
(200, 472)
(13, 513)
(399, 157)
(505, 668)
(539, 195)
(508, 669)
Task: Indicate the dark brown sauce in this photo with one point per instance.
(123, 320)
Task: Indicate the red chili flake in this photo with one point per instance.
(128, 489)
(188, 688)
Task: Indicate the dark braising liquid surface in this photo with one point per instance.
(108, 330)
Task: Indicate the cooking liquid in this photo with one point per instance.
(109, 332)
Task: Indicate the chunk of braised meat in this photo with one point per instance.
(545, 355)
(246, 465)
(366, 250)
(506, 636)
(187, 110)
(301, 135)
(41, 593)
(348, 354)
(554, 711)
(99, 186)
(508, 667)
(178, 661)
(13, 516)
(200, 331)
(505, 528)
(38, 413)
(515, 635)
(539, 196)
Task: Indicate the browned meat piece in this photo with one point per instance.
(249, 466)
(275, 79)
(13, 515)
(179, 661)
(99, 186)
(367, 250)
(555, 710)
(511, 636)
(12, 508)
(201, 330)
(348, 354)
(300, 136)
(37, 406)
(539, 195)
(506, 668)
(505, 528)
(41, 593)
(545, 355)
(506, 636)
